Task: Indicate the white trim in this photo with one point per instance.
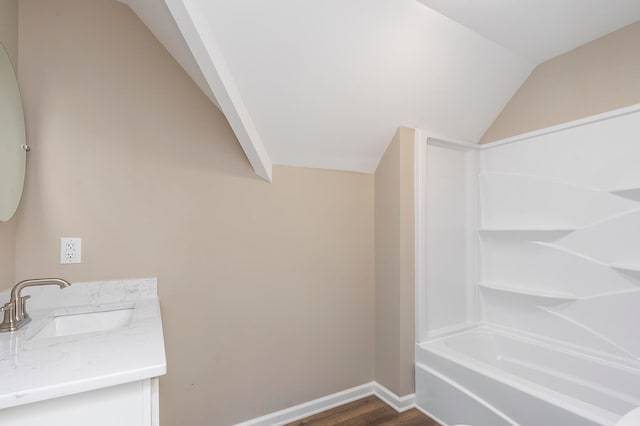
(564, 126)
(472, 239)
(301, 411)
(147, 403)
(204, 47)
(456, 145)
(467, 146)
(310, 408)
(155, 401)
(398, 403)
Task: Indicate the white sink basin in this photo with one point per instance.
(86, 322)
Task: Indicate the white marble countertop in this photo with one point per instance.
(34, 368)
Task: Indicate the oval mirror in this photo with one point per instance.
(12, 139)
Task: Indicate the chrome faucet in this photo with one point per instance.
(15, 312)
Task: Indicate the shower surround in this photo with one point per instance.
(531, 243)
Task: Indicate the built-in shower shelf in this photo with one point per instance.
(540, 297)
(630, 193)
(529, 233)
(631, 269)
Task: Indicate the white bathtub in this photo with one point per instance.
(487, 377)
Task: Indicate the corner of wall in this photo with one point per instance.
(394, 251)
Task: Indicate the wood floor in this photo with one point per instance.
(366, 411)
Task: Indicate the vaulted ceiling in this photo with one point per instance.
(325, 83)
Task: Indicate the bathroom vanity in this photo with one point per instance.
(92, 354)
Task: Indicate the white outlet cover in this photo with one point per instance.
(70, 250)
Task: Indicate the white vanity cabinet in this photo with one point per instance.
(129, 404)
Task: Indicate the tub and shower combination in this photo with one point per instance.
(529, 277)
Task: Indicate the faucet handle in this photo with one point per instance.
(23, 302)
(8, 321)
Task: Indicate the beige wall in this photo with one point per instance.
(9, 28)
(600, 76)
(266, 289)
(9, 39)
(7, 254)
(394, 265)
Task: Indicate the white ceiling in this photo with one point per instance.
(326, 83)
(540, 29)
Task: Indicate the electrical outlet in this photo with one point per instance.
(70, 250)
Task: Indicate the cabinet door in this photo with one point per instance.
(123, 405)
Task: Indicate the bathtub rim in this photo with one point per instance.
(611, 360)
(576, 406)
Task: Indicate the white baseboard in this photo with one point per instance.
(328, 402)
(310, 408)
(398, 403)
